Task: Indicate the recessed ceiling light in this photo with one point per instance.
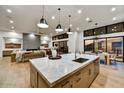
(113, 9)
(87, 19)
(53, 17)
(11, 21)
(78, 28)
(114, 18)
(9, 11)
(70, 25)
(79, 11)
(12, 27)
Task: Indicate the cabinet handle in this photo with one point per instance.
(78, 73)
(65, 83)
(71, 85)
(78, 79)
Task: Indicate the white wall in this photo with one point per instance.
(1, 43)
(80, 42)
(76, 42)
(46, 40)
(10, 35)
(72, 42)
(50, 44)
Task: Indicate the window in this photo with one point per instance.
(88, 33)
(100, 31)
(115, 28)
(89, 46)
(115, 45)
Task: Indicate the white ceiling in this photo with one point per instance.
(26, 17)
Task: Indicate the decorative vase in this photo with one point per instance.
(54, 53)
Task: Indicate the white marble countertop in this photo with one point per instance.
(53, 70)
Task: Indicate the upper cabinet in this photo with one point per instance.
(115, 28)
(88, 33)
(100, 31)
(62, 36)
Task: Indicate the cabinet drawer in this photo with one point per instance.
(65, 84)
(77, 80)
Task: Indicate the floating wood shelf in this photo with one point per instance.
(12, 45)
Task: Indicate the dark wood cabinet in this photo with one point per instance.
(61, 45)
(61, 36)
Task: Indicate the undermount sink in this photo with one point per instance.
(80, 60)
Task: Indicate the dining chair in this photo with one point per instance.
(113, 58)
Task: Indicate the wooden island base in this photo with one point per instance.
(82, 78)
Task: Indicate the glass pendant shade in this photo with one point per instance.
(69, 31)
(43, 23)
(59, 28)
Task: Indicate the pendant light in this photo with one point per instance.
(59, 27)
(69, 29)
(43, 22)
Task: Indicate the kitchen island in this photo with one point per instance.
(64, 72)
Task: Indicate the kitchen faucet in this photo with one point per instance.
(75, 54)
